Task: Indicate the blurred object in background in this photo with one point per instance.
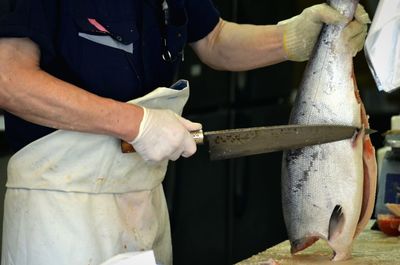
(389, 169)
(380, 106)
(394, 126)
(389, 173)
(4, 149)
(1, 121)
(382, 46)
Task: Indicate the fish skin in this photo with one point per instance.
(316, 180)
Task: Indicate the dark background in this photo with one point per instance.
(225, 211)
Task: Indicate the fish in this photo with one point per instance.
(328, 190)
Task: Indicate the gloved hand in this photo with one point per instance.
(300, 33)
(164, 135)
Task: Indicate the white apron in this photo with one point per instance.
(74, 199)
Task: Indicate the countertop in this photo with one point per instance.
(370, 248)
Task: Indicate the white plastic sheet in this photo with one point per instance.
(382, 46)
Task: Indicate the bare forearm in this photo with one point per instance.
(239, 47)
(38, 97)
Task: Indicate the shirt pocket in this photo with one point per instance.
(121, 35)
(109, 56)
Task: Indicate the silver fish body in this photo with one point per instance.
(323, 191)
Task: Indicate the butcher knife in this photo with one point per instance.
(225, 144)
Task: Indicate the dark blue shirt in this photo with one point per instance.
(110, 48)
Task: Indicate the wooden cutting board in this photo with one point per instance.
(370, 248)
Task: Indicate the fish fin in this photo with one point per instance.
(303, 243)
(336, 226)
(342, 255)
(336, 222)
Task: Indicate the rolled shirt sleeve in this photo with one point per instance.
(202, 18)
(34, 19)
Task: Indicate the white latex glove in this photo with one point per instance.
(300, 33)
(164, 135)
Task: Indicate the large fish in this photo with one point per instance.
(328, 190)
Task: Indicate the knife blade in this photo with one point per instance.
(233, 143)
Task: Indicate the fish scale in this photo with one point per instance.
(323, 186)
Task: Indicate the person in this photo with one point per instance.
(76, 77)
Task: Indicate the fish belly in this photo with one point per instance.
(323, 186)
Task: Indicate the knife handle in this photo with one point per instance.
(198, 137)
